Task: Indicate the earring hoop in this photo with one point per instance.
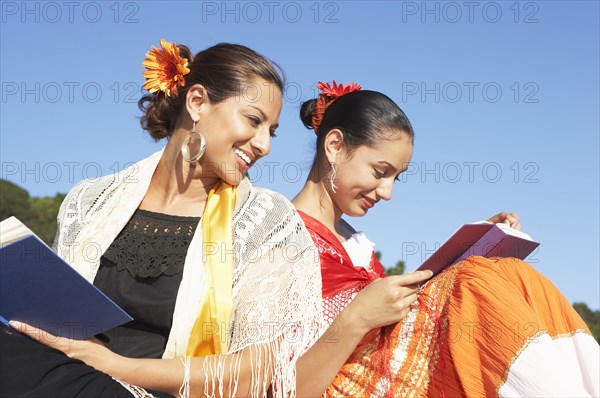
(184, 148)
(332, 177)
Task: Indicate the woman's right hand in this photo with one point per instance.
(385, 300)
(91, 351)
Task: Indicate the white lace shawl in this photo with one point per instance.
(276, 275)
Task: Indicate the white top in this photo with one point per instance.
(360, 250)
(268, 285)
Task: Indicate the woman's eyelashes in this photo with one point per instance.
(381, 174)
(255, 122)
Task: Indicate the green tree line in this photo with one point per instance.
(39, 214)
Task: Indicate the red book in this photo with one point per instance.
(480, 239)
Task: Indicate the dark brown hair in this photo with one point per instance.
(223, 69)
(364, 117)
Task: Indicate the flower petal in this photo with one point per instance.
(165, 68)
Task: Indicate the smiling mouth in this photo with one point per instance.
(369, 202)
(243, 156)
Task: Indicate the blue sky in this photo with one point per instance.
(503, 97)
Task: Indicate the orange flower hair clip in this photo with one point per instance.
(165, 69)
(329, 93)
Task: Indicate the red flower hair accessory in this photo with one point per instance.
(328, 95)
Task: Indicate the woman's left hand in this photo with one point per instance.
(511, 219)
(90, 351)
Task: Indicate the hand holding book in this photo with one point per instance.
(495, 237)
(511, 219)
(89, 350)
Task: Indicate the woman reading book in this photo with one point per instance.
(483, 327)
(181, 240)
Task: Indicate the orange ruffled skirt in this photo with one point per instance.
(483, 327)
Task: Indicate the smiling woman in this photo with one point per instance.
(482, 327)
(242, 118)
(189, 248)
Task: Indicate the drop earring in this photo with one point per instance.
(332, 177)
(184, 148)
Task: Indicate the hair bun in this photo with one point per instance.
(306, 113)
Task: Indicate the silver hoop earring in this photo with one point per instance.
(332, 177)
(184, 148)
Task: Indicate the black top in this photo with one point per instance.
(141, 272)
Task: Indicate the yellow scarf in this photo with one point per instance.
(208, 335)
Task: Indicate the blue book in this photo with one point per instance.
(39, 288)
(480, 239)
